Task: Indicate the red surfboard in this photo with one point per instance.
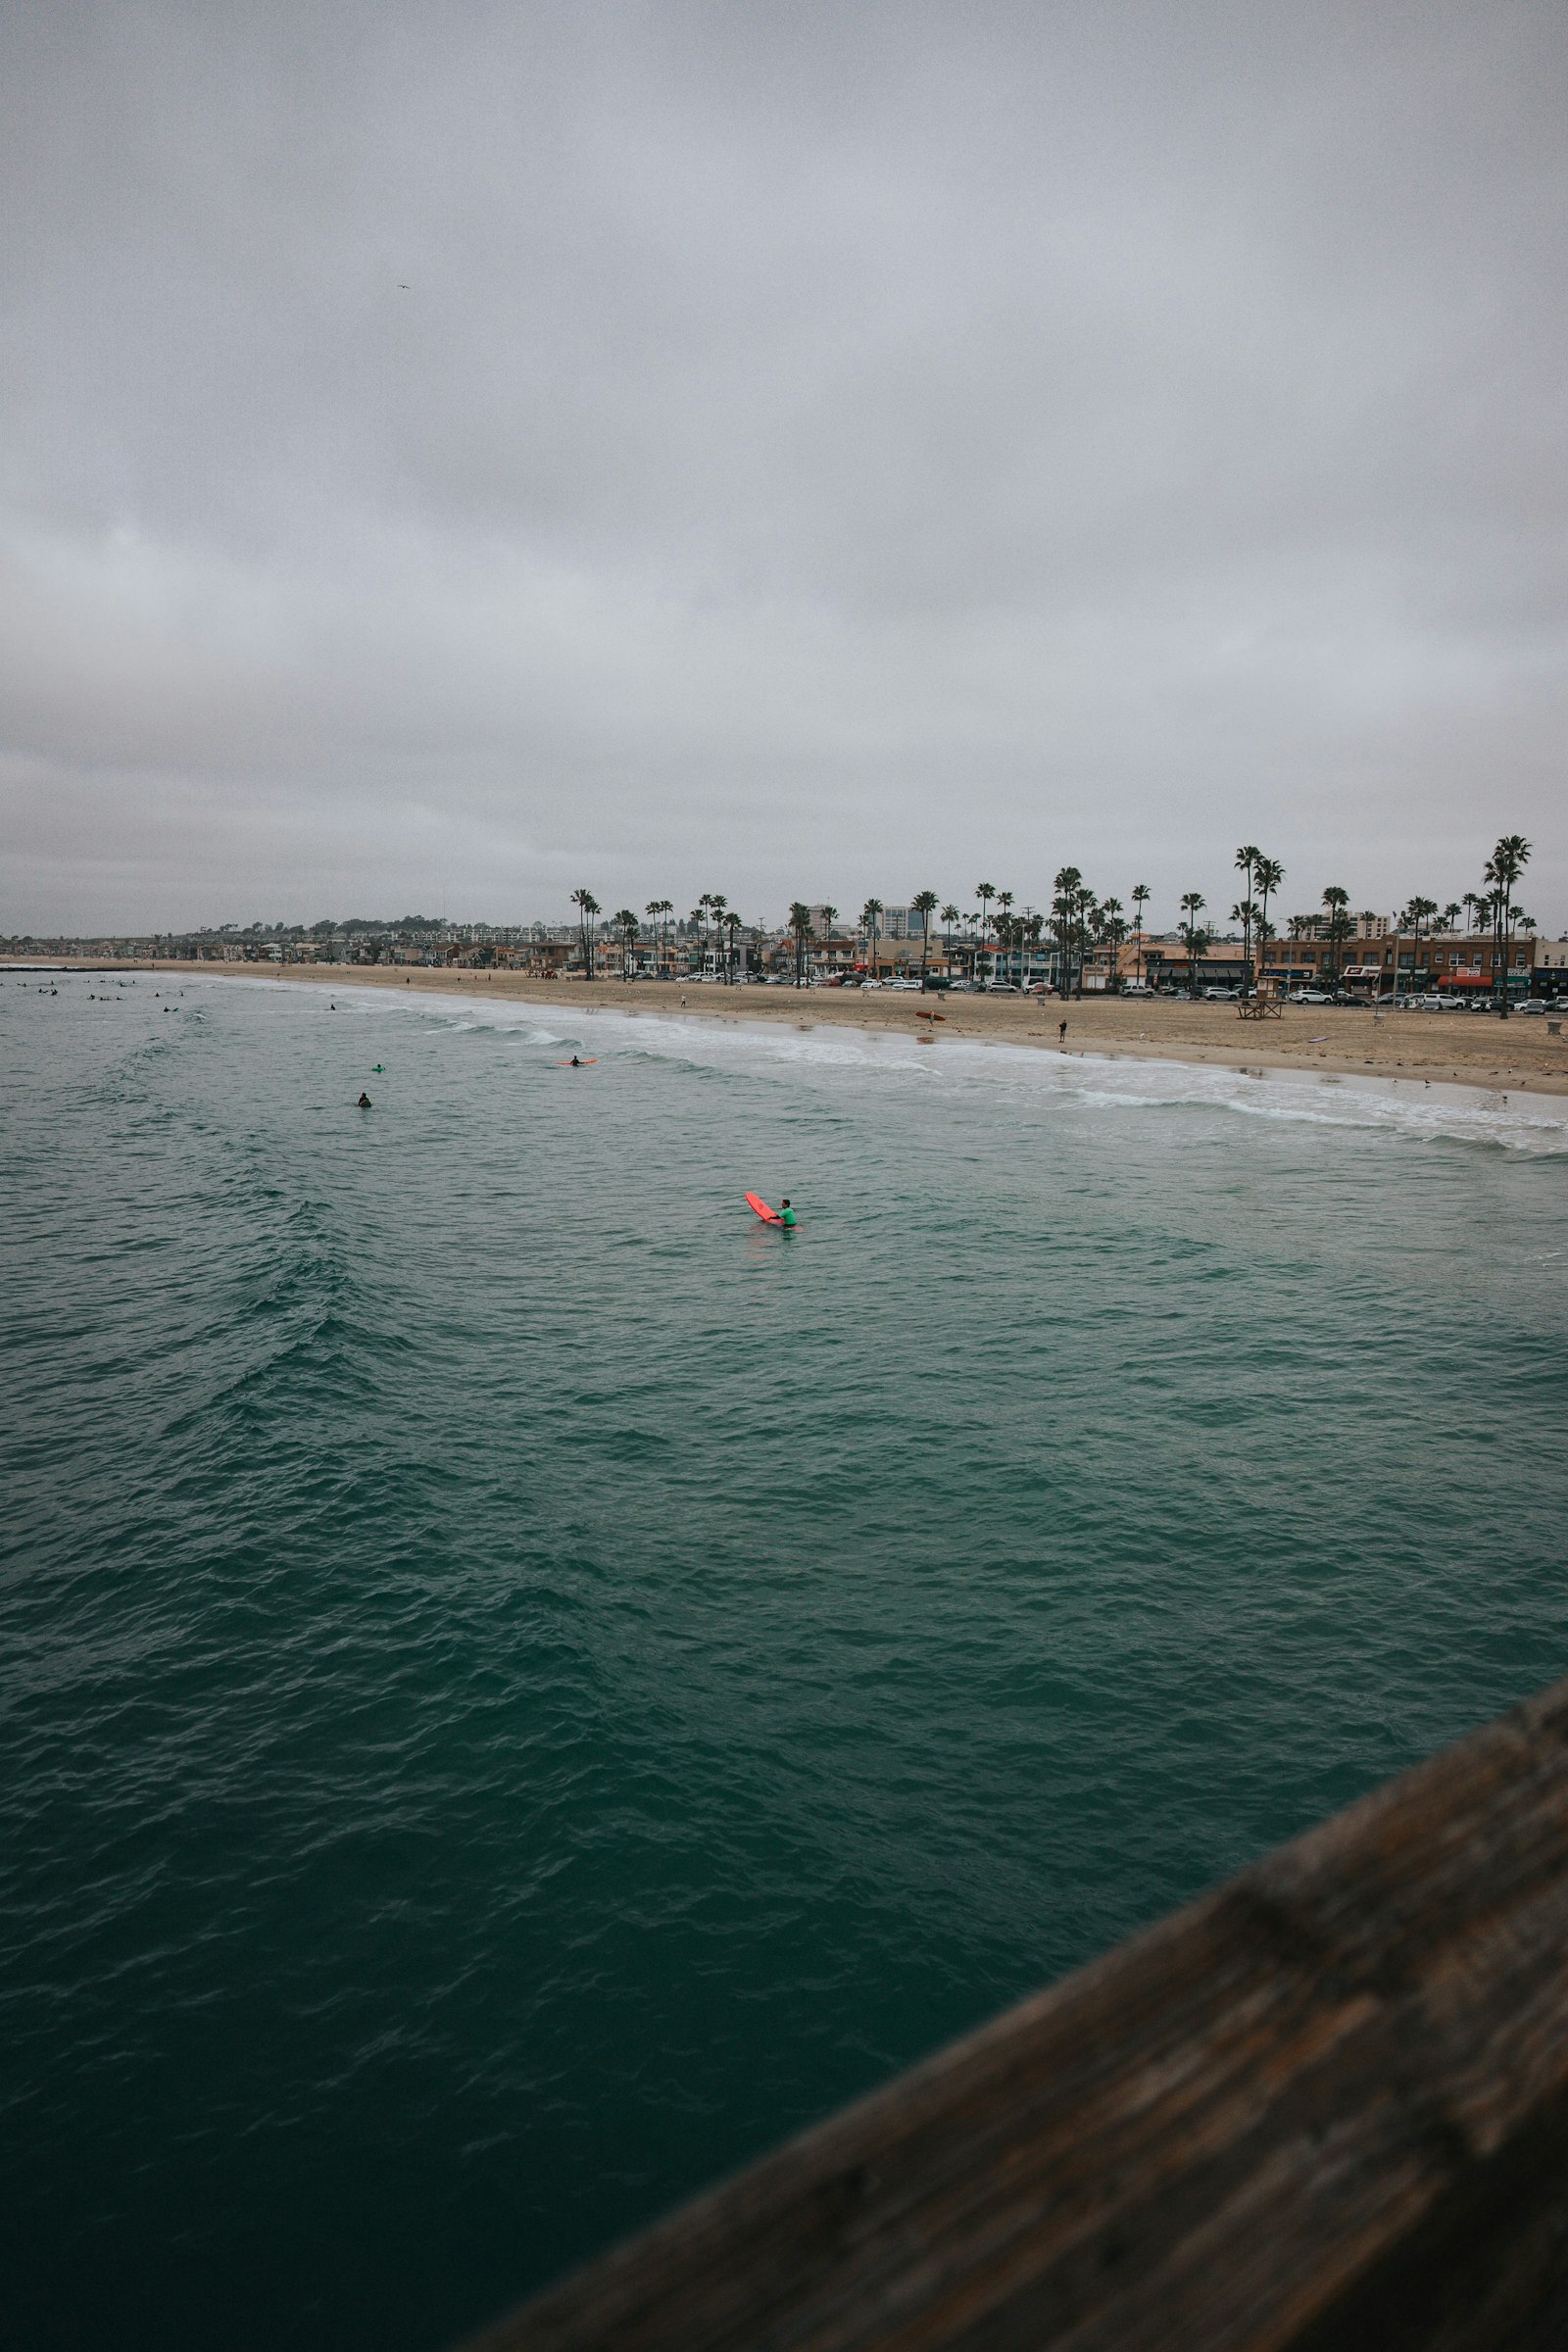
(770, 1217)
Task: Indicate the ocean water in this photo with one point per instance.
(521, 1685)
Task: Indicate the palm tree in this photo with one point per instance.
(1004, 914)
(731, 923)
(950, 916)
(1112, 929)
(1073, 907)
(1503, 869)
(870, 924)
(830, 915)
(984, 892)
(1267, 876)
(660, 908)
(801, 925)
(1245, 913)
(1246, 858)
(1140, 896)
(1451, 915)
(1064, 911)
(1197, 938)
(1061, 930)
(1337, 930)
(587, 906)
(924, 902)
(1002, 932)
(629, 923)
(1412, 920)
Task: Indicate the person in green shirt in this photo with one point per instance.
(786, 1215)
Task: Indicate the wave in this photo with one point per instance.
(1427, 1111)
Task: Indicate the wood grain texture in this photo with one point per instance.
(1324, 2107)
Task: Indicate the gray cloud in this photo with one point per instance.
(817, 450)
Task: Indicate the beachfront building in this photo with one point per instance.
(1168, 966)
(1027, 964)
(1303, 962)
(1447, 963)
(900, 943)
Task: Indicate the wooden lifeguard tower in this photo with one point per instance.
(1267, 1001)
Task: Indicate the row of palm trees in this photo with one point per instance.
(1494, 907)
(1078, 923)
(712, 908)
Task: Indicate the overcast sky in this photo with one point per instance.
(451, 454)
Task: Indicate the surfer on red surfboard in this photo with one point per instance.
(782, 1215)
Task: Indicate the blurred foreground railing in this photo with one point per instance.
(1325, 2107)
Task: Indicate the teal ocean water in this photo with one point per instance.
(521, 1685)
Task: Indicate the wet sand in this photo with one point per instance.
(1462, 1049)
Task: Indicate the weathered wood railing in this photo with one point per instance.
(1325, 2107)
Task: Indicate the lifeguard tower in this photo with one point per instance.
(1267, 1001)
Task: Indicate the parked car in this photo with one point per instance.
(1311, 995)
(1220, 996)
(1533, 1004)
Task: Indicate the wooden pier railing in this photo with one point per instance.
(1325, 2107)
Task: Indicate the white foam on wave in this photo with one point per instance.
(1113, 1084)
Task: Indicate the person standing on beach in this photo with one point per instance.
(1062, 1033)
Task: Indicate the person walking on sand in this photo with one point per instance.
(786, 1215)
(1062, 1033)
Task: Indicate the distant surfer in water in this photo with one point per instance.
(786, 1215)
(575, 1063)
(366, 1103)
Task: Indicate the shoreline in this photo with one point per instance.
(1330, 1041)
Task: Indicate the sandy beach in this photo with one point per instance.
(1455, 1049)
